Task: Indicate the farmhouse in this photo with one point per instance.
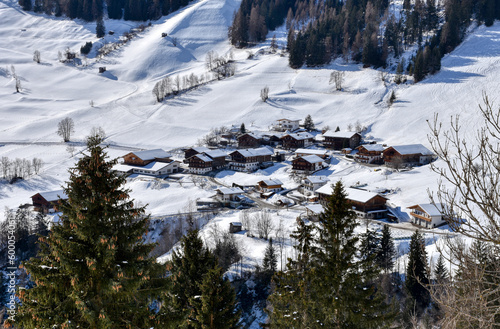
(312, 183)
(297, 140)
(286, 124)
(427, 215)
(45, 202)
(249, 140)
(194, 150)
(200, 164)
(313, 211)
(341, 139)
(307, 164)
(270, 185)
(303, 152)
(143, 158)
(414, 154)
(218, 157)
(369, 153)
(250, 159)
(229, 196)
(154, 168)
(365, 204)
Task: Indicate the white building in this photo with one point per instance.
(427, 215)
(152, 169)
(312, 183)
(286, 124)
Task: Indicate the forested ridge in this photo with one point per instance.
(362, 30)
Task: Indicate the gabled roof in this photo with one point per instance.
(317, 179)
(299, 136)
(53, 195)
(255, 152)
(315, 208)
(412, 149)
(253, 135)
(311, 151)
(215, 153)
(429, 208)
(155, 166)
(312, 158)
(288, 120)
(203, 157)
(230, 190)
(271, 182)
(372, 147)
(152, 154)
(340, 134)
(199, 149)
(353, 194)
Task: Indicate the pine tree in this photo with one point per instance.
(187, 269)
(387, 251)
(270, 262)
(93, 270)
(342, 284)
(416, 271)
(100, 29)
(243, 129)
(308, 123)
(441, 273)
(216, 307)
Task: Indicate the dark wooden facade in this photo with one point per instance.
(248, 141)
(290, 142)
(134, 160)
(196, 162)
(300, 164)
(236, 156)
(393, 157)
(43, 205)
(338, 143)
(369, 156)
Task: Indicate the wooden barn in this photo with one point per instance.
(307, 164)
(142, 158)
(341, 139)
(293, 141)
(369, 153)
(249, 140)
(45, 202)
(407, 155)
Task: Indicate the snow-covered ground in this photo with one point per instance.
(126, 109)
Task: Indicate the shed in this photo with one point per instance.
(235, 227)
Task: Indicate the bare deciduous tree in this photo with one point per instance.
(469, 190)
(337, 77)
(264, 93)
(36, 56)
(65, 128)
(264, 224)
(37, 164)
(98, 131)
(18, 84)
(71, 150)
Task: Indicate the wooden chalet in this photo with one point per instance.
(297, 140)
(312, 183)
(365, 204)
(229, 196)
(250, 159)
(218, 157)
(286, 124)
(194, 150)
(307, 164)
(407, 155)
(143, 158)
(341, 139)
(200, 164)
(45, 202)
(369, 153)
(303, 152)
(249, 140)
(427, 215)
(270, 185)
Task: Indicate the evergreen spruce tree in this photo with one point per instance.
(216, 307)
(416, 271)
(387, 251)
(419, 69)
(308, 123)
(187, 269)
(270, 262)
(292, 301)
(441, 273)
(93, 269)
(243, 129)
(100, 29)
(343, 284)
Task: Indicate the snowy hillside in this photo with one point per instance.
(126, 109)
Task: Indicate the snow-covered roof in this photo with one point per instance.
(270, 182)
(317, 179)
(122, 167)
(353, 194)
(215, 153)
(203, 157)
(200, 149)
(256, 152)
(315, 208)
(312, 158)
(288, 120)
(236, 223)
(339, 134)
(230, 190)
(53, 195)
(373, 147)
(299, 136)
(430, 209)
(254, 135)
(155, 165)
(412, 149)
(311, 151)
(152, 154)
